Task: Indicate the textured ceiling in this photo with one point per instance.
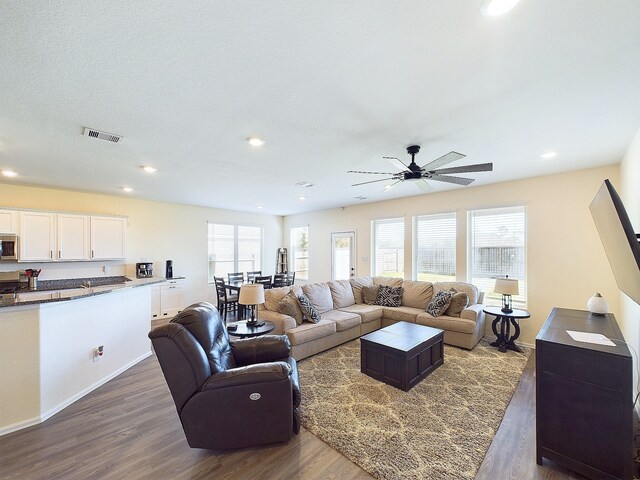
(331, 86)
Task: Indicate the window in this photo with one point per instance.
(300, 252)
(388, 247)
(497, 247)
(234, 248)
(435, 247)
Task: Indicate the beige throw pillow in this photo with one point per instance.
(289, 306)
(459, 301)
(370, 294)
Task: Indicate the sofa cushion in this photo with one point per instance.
(389, 296)
(416, 294)
(459, 301)
(273, 296)
(452, 324)
(344, 320)
(290, 305)
(387, 281)
(356, 285)
(311, 331)
(404, 314)
(341, 293)
(319, 295)
(439, 303)
(370, 295)
(368, 313)
(468, 288)
(310, 313)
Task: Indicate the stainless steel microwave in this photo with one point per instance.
(8, 246)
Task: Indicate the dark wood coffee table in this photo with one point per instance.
(246, 331)
(402, 354)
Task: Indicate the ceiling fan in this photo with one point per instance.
(429, 171)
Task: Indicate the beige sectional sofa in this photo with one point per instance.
(345, 317)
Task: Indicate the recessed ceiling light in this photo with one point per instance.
(149, 169)
(127, 189)
(255, 141)
(305, 184)
(492, 8)
(548, 154)
(360, 197)
(260, 207)
(302, 198)
(387, 187)
(9, 173)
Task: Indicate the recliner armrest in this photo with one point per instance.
(267, 348)
(257, 373)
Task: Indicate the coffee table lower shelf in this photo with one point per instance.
(402, 354)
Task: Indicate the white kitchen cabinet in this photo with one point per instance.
(8, 221)
(155, 302)
(73, 237)
(108, 238)
(171, 301)
(37, 236)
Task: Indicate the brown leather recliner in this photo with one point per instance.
(228, 394)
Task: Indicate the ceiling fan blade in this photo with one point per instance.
(443, 160)
(386, 189)
(372, 181)
(479, 167)
(373, 173)
(456, 180)
(424, 186)
(397, 163)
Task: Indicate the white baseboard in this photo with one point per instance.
(51, 412)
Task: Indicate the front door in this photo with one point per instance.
(343, 255)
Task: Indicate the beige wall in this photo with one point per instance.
(157, 231)
(630, 192)
(566, 261)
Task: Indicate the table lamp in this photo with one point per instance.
(507, 287)
(252, 294)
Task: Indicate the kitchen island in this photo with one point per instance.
(48, 342)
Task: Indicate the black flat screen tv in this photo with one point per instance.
(619, 239)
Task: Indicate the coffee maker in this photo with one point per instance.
(144, 270)
(169, 272)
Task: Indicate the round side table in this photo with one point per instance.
(246, 331)
(504, 340)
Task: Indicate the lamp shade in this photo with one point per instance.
(251, 294)
(506, 286)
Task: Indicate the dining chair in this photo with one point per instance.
(251, 276)
(280, 280)
(291, 278)
(237, 277)
(225, 300)
(264, 280)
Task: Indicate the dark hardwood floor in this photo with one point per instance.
(128, 429)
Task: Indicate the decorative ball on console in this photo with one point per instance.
(597, 304)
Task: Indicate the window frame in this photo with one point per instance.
(293, 249)
(235, 246)
(490, 298)
(414, 243)
(374, 227)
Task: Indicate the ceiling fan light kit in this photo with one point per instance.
(430, 171)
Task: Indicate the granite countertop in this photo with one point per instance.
(72, 289)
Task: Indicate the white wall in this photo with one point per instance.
(566, 260)
(157, 232)
(629, 320)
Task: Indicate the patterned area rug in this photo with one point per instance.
(440, 429)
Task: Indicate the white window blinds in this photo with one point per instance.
(299, 240)
(388, 247)
(498, 247)
(233, 248)
(435, 247)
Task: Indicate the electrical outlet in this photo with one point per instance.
(106, 269)
(98, 353)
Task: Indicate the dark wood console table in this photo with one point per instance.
(584, 397)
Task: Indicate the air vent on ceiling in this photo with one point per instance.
(109, 137)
